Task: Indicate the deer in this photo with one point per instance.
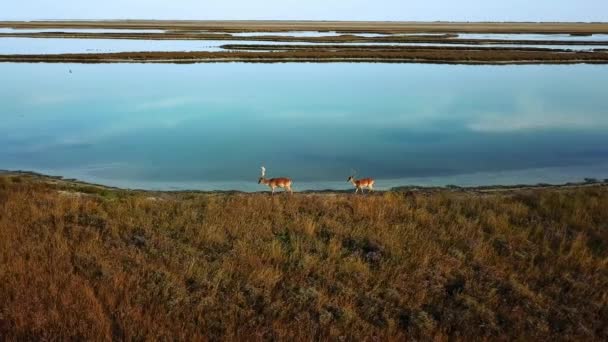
(273, 183)
(361, 183)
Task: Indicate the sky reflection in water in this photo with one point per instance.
(210, 126)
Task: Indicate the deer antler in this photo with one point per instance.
(263, 171)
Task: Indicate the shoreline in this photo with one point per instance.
(399, 265)
(496, 188)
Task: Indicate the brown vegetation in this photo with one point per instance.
(482, 53)
(414, 54)
(340, 26)
(87, 262)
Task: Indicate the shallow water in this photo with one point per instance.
(71, 30)
(211, 126)
(323, 34)
(23, 46)
(524, 36)
(287, 34)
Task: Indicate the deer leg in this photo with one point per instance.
(357, 190)
(272, 187)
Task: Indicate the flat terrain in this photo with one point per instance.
(481, 51)
(342, 26)
(410, 55)
(80, 261)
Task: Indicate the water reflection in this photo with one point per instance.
(27, 46)
(78, 30)
(527, 36)
(210, 126)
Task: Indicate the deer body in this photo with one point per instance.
(362, 183)
(274, 183)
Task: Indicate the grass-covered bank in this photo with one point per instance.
(412, 54)
(90, 262)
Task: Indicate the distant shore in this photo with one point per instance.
(480, 51)
(341, 26)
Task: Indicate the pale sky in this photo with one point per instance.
(406, 10)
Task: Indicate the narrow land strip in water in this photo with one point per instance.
(340, 26)
(413, 54)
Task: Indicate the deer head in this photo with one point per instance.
(352, 176)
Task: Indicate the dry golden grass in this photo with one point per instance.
(413, 54)
(82, 262)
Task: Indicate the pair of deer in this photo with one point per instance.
(285, 183)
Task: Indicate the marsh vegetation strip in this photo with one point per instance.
(168, 126)
(420, 54)
(343, 26)
(113, 264)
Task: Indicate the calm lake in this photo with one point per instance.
(211, 126)
(26, 46)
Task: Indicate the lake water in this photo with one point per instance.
(211, 126)
(24, 46)
(326, 34)
(71, 30)
(526, 36)
(21, 46)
